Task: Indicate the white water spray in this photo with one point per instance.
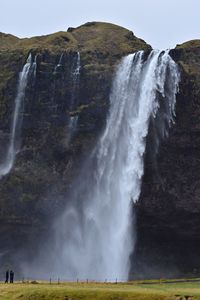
(17, 117)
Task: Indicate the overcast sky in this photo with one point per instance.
(161, 23)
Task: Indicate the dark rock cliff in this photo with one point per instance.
(34, 191)
(168, 212)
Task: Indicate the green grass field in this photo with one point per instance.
(100, 291)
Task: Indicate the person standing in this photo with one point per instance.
(11, 276)
(7, 276)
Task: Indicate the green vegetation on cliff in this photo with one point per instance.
(105, 37)
(101, 45)
(92, 36)
(188, 56)
(189, 45)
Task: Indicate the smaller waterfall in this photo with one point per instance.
(72, 123)
(59, 64)
(78, 67)
(75, 81)
(35, 66)
(72, 126)
(73, 120)
(71, 129)
(17, 117)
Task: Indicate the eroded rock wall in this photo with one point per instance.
(168, 211)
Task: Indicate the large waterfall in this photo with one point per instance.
(95, 235)
(17, 116)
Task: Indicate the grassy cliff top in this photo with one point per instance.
(188, 56)
(189, 45)
(7, 40)
(92, 36)
(106, 37)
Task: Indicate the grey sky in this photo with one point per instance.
(162, 24)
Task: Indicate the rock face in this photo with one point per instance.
(33, 193)
(168, 211)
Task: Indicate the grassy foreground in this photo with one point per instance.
(100, 291)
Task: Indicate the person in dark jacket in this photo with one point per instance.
(7, 276)
(11, 276)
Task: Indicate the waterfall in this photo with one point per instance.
(59, 64)
(78, 67)
(73, 120)
(75, 81)
(95, 234)
(34, 67)
(17, 117)
(72, 123)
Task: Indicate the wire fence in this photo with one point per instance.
(59, 280)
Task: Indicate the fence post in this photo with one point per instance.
(50, 280)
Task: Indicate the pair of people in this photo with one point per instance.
(11, 274)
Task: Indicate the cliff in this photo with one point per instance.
(168, 211)
(50, 156)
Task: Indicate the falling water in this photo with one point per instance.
(75, 81)
(34, 67)
(73, 120)
(95, 236)
(17, 117)
(72, 123)
(59, 64)
(78, 67)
